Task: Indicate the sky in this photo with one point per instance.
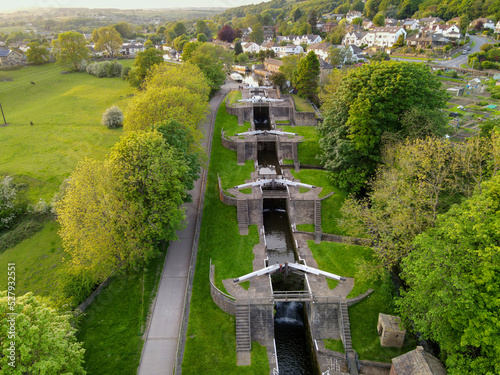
(6, 5)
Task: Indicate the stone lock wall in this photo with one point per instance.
(301, 211)
(222, 300)
(262, 322)
(324, 320)
(305, 119)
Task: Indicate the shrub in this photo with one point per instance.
(105, 69)
(453, 74)
(112, 117)
(8, 195)
(125, 71)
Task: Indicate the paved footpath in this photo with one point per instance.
(169, 318)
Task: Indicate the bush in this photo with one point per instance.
(112, 117)
(105, 69)
(453, 74)
(8, 211)
(125, 71)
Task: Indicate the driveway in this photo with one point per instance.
(462, 59)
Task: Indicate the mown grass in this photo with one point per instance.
(111, 328)
(211, 338)
(335, 345)
(309, 148)
(229, 122)
(341, 259)
(39, 263)
(330, 207)
(301, 105)
(65, 110)
(234, 96)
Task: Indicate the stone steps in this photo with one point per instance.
(317, 216)
(242, 215)
(243, 338)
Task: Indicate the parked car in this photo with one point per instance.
(465, 52)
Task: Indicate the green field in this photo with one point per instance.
(65, 110)
(309, 148)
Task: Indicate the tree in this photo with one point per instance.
(313, 20)
(200, 26)
(188, 49)
(8, 210)
(453, 284)
(226, 34)
(357, 21)
(179, 29)
(340, 56)
(369, 104)
(278, 79)
(464, 24)
(202, 38)
(112, 117)
(379, 20)
(44, 339)
(237, 48)
(257, 34)
(37, 54)
(307, 76)
(115, 212)
(125, 30)
(214, 61)
(108, 39)
(144, 61)
(297, 14)
(400, 42)
(70, 48)
(289, 67)
(479, 25)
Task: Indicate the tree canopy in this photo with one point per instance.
(226, 34)
(70, 48)
(37, 54)
(367, 106)
(44, 339)
(144, 61)
(453, 278)
(109, 40)
(307, 76)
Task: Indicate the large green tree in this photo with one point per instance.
(453, 278)
(144, 61)
(37, 54)
(109, 40)
(368, 106)
(70, 49)
(42, 340)
(307, 76)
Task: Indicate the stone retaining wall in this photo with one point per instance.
(221, 299)
(228, 143)
(82, 306)
(305, 119)
(224, 197)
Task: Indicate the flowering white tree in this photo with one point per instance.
(7, 197)
(112, 117)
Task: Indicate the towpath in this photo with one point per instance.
(164, 343)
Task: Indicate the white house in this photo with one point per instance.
(429, 21)
(307, 39)
(383, 37)
(355, 37)
(132, 48)
(410, 24)
(250, 47)
(350, 16)
(322, 50)
(333, 16)
(489, 25)
(288, 50)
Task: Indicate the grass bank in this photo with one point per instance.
(301, 105)
(111, 328)
(309, 148)
(65, 110)
(211, 338)
(342, 259)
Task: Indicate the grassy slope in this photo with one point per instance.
(301, 105)
(341, 259)
(230, 122)
(112, 326)
(211, 339)
(66, 110)
(309, 148)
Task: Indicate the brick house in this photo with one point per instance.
(272, 65)
(10, 57)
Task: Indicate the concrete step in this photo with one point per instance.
(243, 336)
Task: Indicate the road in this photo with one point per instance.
(456, 62)
(164, 337)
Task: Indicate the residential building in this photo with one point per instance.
(427, 39)
(352, 15)
(272, 65)
(130, 49)
(10, 57)
(367, 24)
(355, 38)
(487, 23)
(428, 21)
(269, 32)
(322, 50)
(383, 37)
(290, 49)
(497, 27)
(329, 26)
(250, 47)
(333, 16)
(410, 24)
(306, 39)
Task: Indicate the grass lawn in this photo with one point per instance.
(112, 326)
(309, 148)
(330, 207)
(229, 123)
(211, 337)
(302, 105)
(234, 96)
(473, 43)
(65, 110)
(341, 259)
(456, 55)
(335, 345)
(39, 263)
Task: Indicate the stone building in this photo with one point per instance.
(390, 331)
(417, 362)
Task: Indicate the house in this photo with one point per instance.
(417, 362)
(290, 49)
(391, 22)
(250, 47)
(10, 57)
(269, 32)
(355, 38)
(497, 27)
(322, 50)
(350, 16)
(324, 70)
(333, 16)
(427, 39)
(383, 37)
(328, 27)
(131, 49)
(272, 65)
(367, 25)
(453, 21)
(285, 38)
(487, 23)
(428, 21)
(356, 54)
(410, 24)
(452, 32)
(306, 39)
